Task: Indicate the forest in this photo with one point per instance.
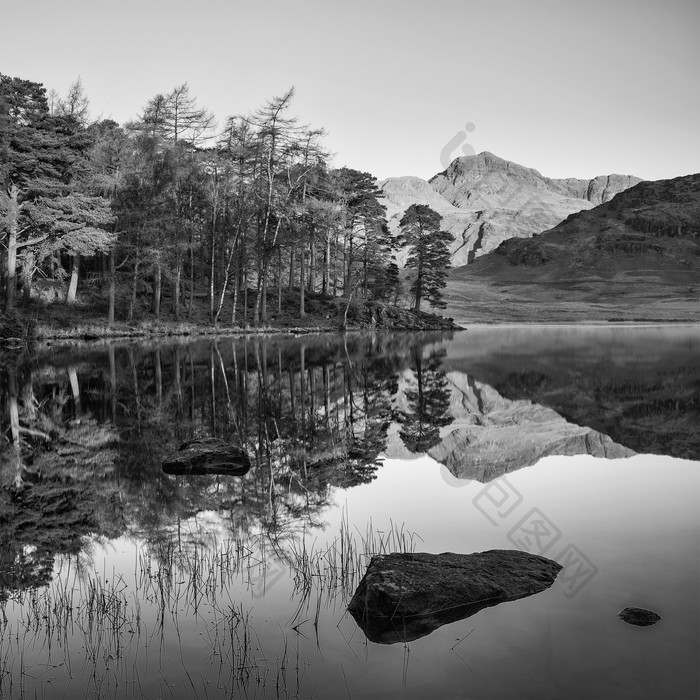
(171, 216)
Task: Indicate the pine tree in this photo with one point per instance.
(46, 205)
(429, 255)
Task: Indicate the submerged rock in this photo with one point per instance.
(639, 616)
(406, 596)
(207, 456)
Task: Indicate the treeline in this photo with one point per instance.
(167, 214)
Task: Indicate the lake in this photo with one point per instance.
(581, 444)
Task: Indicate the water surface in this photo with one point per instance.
(581, 444)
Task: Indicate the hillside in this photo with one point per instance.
(635, 257)
(485, 200)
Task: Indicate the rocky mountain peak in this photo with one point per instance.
(485, 199)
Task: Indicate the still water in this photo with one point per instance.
(120, 581)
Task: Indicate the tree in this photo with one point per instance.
(74, 105)
(429, 255)
(367, 242)
(46, 204)
(176, 124)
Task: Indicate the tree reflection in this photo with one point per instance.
(428, 399)
(84, 437)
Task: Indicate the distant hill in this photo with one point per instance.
(485, 200)
(656, 222)
(635, 257)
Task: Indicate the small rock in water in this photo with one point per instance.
(639, 616)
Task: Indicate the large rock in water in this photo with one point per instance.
(207, 456)
(403, 597)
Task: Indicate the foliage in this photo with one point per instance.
(168, 209)
(429, 253)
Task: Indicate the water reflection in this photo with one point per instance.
(85, 433)
(490, 435)
(638, 386)
(88, 433)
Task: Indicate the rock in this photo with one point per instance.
(207, 456)
(639, 617)
(406, 596)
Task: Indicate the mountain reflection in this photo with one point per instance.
(491, 435)
(638, 386)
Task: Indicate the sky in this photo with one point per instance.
(570, 88)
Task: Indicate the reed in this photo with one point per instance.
(105, 627)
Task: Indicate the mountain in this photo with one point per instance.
(657, 219)
(485, 200)
(635, 257)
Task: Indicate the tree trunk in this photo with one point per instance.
(112, 382)
(312, 265)
(302, 312)
(176, 286)
(419, 286)
(190, 303)
(157, 279)
(112, 290)
(345, 266)
(12, 219)
(279, 280)
(27, 275)
(245, 294)
(211, 281)
(291, 269)
(134, 287)
(212, 255)
(263, 316)
(73, 283)
(364, 262)
(235, 303)
(335, 266)
(327, 265)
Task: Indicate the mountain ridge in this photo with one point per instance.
(635, 257)
(485, 199)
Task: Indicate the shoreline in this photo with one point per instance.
(223, 332)
(22, 326)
